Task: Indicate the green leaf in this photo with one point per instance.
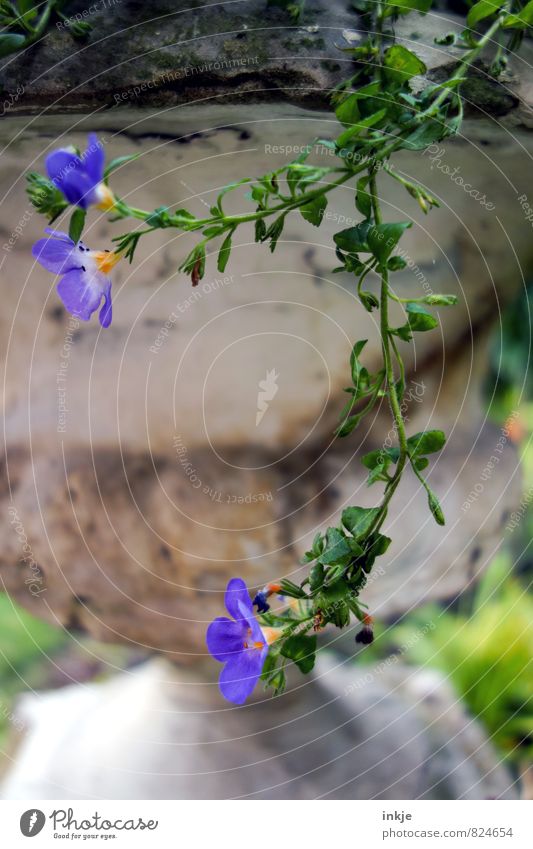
(116, 163)
(313, 211)
(77, 222)
(301, 649)
(316, 549)
(349, 111)
(362, 198)
(427, 133)
(260, 230)
(378, 472)
(441, 300)
(369, 301)
(353, 239)
(400, 64)
(334, 574)
(224, 253)
(356, 367)
(520, 20)
(269, 666)
(348, 424)
(379, 545)
(316, 577)
(10, 42)
(380, 456)
(291, 589)
(426, 442)
(274, 232)
(482, 10)
(396, 263)
(360, 125)
(358, 520)
(383, 238)
(27, 6)
(185, 219)
(336, 549)
(159, 217)
(420, 319)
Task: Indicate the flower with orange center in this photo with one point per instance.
(84, 274)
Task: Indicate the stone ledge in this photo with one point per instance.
(241, 51)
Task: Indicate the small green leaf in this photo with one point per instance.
(362, 198)
(441, 300)
(77, 222)
(354, 239)
(426, 442)
(396, 263)
(185, 219)
(316, 577)
(291, 589)
(383, 238)
(482, 10)
(349, 110)
(429, 132)
(224, 253)
(334, 574)
(521, 19)
(400, 64)
(420, 319)
(260, 230)
(336, 549)
(159, 217)
(274, 232)
(269, 666)
(313, 211)
(28, 8)
(358, 520)
(360, 125)
(301, 649)
(356, 367)
(380, 456)
(10, 42)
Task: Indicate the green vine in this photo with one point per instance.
(379, 114)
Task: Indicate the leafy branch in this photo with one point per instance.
(379, 113)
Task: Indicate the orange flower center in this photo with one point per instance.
(107, 198)
(106, 260)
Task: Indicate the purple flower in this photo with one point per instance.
(239, 643)
(84, 281)
(81, 178)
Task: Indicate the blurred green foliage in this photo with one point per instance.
(486, 651)
(25, 644)
(509, 380)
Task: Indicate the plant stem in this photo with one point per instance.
(389, 369)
